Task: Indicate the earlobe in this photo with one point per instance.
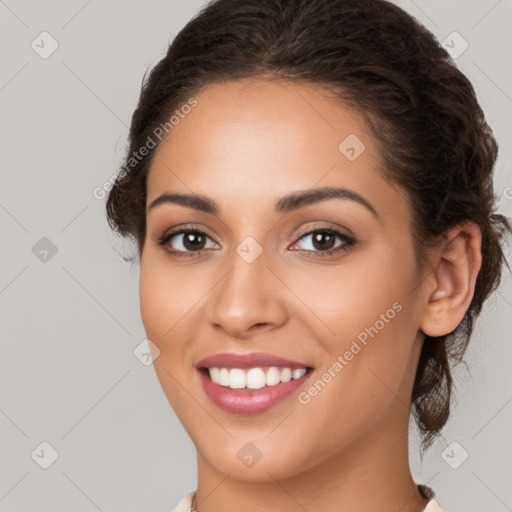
(456, 267)
(438, 294)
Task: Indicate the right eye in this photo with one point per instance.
(187, 242)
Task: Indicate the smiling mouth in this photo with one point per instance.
(253, 378)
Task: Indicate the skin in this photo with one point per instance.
(245, 145)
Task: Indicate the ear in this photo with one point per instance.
(451, 285)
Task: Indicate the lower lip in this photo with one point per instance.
(249, 401)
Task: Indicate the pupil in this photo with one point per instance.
(189, 240)
(317, 240)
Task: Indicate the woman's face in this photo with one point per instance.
(266, 275)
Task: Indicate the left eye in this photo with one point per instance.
(323, 241)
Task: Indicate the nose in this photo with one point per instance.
(248, 299)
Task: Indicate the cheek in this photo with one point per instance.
(167, 294)
(163, 302)
(368, 318)
(153, 303)
(345, 299)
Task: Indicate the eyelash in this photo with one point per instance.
(348, 242)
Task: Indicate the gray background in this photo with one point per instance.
(70, 321)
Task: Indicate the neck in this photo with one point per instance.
(372, 475)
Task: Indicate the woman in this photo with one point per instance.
(309, 184)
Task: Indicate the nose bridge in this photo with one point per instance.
(246, 296)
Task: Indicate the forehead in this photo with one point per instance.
(253, 137)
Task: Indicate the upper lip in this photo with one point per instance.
(233, 360)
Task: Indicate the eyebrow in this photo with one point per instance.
(288, 203)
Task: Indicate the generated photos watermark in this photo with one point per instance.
(151, 142)
(304, 397)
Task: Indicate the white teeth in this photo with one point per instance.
(214, 374)
(223, 377)
(237, 379)
(298, 373)
(253, 378)
(286, 375)
(273, 376)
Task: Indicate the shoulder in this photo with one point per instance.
(429, 494)
(433, 506)
(185, 504)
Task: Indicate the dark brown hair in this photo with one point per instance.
(373, 56)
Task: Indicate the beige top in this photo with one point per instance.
(185, 505)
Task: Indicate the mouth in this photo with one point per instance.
(253, 378)
(251, 390)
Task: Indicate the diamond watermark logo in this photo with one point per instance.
(44, 45)
(352, 147)
(249, 454)
(44, 250)
(44, 455)
(146, 352)
(454, 455)
(249, 249)
(455, 45)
